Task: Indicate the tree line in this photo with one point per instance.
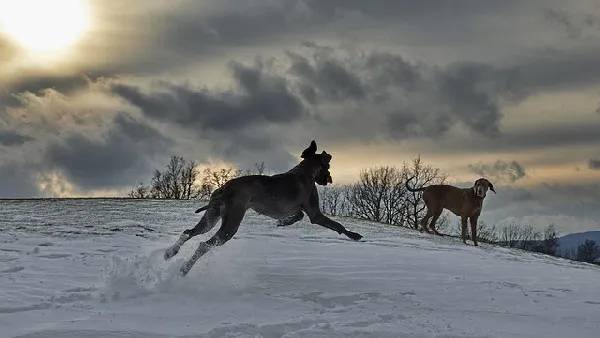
(182, 179)
(379, 195)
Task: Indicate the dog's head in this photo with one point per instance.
(481, 187)
(322, 160)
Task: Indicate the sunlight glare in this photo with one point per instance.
(43, 26)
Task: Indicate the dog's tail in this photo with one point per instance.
(412, 189)
(202, 208)
(215, 200)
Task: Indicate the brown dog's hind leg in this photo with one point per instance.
(206, 223)
(231, 222)
(425, 220)
(436, 216)
(463, 229)
(473, 220)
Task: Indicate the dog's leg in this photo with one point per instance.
(291, 220)
(322, 220)
(231, 222)
(311, 207)
(434, 219)
(206, 223)
(463, 228)
(425, 220)
(473, 220)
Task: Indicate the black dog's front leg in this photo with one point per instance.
(316, 217)
(327, 222)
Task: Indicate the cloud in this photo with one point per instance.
(122, 157)
(576, 24)
(504, 171)
(260, 98)
(326, 91)
(12, 138)
(432, 78)
(7, 49)
(18, 180)
(343, 93)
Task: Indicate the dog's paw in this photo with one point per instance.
(185, 268)
(354, 235)
(170, 252)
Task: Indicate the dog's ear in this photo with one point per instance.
(325, 158)
(491, 186)
(311, 150)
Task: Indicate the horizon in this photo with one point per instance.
(102, 96)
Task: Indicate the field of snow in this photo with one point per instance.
(94, 268)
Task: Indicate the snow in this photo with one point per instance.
(94, 268)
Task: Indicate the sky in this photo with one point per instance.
(96, 95)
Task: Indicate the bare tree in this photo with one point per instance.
(528, 237)
(188, 180)
(159, 188)
(422, 175)
(174, 177)
(333, 200)
(394, 200)
(549, 245)
(177, 181)
(510, 235)
(373, 196)
(214, 179)
(259, 169)
(485, 233)
(141, 191)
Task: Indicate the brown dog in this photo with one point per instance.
(464, 202)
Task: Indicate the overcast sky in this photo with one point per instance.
(509, 90)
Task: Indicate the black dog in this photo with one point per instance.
(283, 196)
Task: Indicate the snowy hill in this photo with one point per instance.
(94, 269)
(572, 241)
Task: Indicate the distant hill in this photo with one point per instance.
(572, 241)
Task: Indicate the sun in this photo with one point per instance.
(44, 26)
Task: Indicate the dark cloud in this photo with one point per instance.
(408, 99)
(12, 138)
(328, 78)
(594, 163)
(554, 70)
(123, 157)
(404, 98)
(36, 83)
(508, 171)
(586, 195)
(576, 25)
(411, 96)
(254, 146)
(261, 98)
(542, 137)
